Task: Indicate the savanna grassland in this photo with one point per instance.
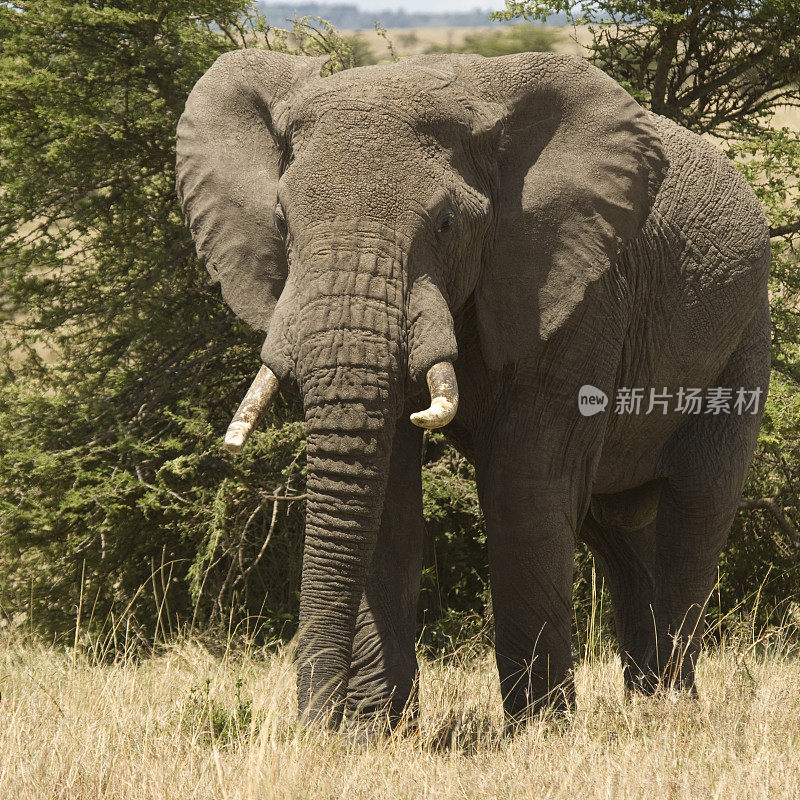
(189, 724)
(381, 45)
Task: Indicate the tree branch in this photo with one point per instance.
(724, 79)
(775, 509)
(784, 230)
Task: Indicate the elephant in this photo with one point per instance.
(519, 234)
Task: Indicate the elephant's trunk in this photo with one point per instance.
(350, 428)
(349, 445)
(349, 330)
(349, 364)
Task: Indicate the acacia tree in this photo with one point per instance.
(121, 364)
(724, 68)
(716, 67)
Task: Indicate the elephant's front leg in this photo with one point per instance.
(531, 557)
(531, 566)
(384, 666)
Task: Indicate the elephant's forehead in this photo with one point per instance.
(363, 174)
(373, 142)
(415, 96)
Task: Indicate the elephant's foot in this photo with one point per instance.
(369, 720)
(652, 684)
(366, 721)
(328, 718)
(393, 706)
(530, 698)
(672, 671)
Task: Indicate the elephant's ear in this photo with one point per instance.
(229, 158)
(580, 165)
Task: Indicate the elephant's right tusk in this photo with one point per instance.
(250, 410)
(444, 397)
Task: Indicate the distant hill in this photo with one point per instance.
(350, 17)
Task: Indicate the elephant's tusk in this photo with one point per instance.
(250, 410)
(444, 397)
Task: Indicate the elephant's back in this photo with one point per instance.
(697, 274)
(709, 205)
(701, 262)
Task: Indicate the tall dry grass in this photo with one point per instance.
(189, 724)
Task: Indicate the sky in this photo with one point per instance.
(425, 6)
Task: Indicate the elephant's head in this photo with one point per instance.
(350, 217)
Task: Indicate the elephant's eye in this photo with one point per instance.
(446, 221)
(280, 221)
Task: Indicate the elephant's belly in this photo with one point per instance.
(671, 370)
(628, 511)
(650, 407)
(626, 467)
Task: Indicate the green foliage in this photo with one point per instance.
(362, 52)
(121, 363)
(504, 41)
(310, 36)
(219, 724)
(455, 583)
(118, 504)
(765, 544)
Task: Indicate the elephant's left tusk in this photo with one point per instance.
(444, 397)
(250, 410)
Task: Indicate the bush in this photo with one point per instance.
(122, 365)
(118, 504)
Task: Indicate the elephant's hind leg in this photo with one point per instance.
(706, 463)
(688, 545)
(625, 560)
(383, 673)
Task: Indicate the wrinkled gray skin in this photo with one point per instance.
(524, 218)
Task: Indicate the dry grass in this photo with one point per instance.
(786, 117)
(186, 724)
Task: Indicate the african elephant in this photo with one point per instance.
(520, 232)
